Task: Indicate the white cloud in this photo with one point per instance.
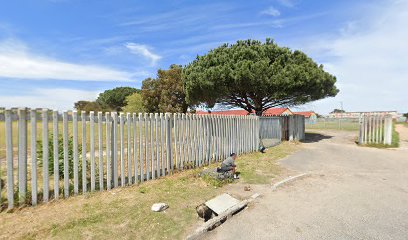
(370, 61)
(140, 49)
(18, 61)
(56, 98)
(271, 11)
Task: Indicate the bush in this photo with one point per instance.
(60, 156)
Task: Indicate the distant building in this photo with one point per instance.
(310, 117)
(271, 112)
(394, 114)
(268, 113)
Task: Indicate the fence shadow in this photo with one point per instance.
(315, 137)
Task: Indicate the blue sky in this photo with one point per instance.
(55, 52)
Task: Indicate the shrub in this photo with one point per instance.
(60, 156)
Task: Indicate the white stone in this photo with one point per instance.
(158, 207)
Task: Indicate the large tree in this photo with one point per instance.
(134, 103)
(114, 99)
(166, 92)
(256, 76)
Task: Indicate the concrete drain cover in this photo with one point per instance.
(221, 203)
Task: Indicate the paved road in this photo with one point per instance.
(353, 193)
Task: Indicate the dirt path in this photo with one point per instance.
(403, 132)
(353, 193)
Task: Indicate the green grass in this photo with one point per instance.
(344, 126)
(260, 168)
(124, 213)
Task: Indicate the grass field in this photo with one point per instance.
(124, 213)
(334, 125)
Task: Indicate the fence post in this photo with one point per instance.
(45, 154)
(122, 149)
(115, 150)
(388, 130)
(141, 147)
(100, 147)
(135, 156)
(56, 153)
(83, 124)
(168, 141)
(10, 160)
(65, 143)
(33, 118)
(75, 150)
(22, 155)
(92, 147)
(108, 151)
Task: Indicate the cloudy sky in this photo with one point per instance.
(55, 52)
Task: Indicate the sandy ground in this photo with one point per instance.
(353, 193)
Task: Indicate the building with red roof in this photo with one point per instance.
(310, 116)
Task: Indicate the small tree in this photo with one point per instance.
(115, 98)
(134, 103)
(256, 76)
(405, 115)
(166, 92)
(60, 156)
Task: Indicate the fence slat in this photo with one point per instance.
(129, 147)
(168, 141)
(9, 159)
(135, 145)
(141, 147)
(45, 155)
(75, 149)
(147, 144)
(66, 166)
(22, 155)
(83, 122)
(100, 147)
(55, 143)
(115, 150)
(122, 149)
(33, 117)
(108, 151)
(92, 147)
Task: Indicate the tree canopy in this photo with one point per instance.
(166, 92)
(256, 76)
(338, 111)
(88, 106)
(134, 103)
(114, 99)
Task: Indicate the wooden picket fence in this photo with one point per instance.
(375, 129)
(51, 155)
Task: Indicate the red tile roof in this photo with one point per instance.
(305, 114)
(275, 111)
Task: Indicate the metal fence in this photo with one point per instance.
(375, 129)
(49, 154)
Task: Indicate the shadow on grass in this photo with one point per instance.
(315, 137)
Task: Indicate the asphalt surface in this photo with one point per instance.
(353, 193)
